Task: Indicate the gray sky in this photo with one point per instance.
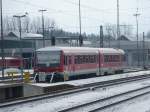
(94, 12)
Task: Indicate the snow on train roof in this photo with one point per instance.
(69, 49)
(86, 49)
(8, 58)
(111, 50)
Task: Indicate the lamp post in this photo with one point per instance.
(143, 50)
(80, 26)
(42, 11)
(20, 44)
(137, 35)
(2, 40)
(118, 22)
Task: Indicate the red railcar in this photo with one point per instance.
(11, 62)
(73, 61)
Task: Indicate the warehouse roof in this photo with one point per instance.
(25, 35)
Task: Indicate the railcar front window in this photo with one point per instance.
(48, 59)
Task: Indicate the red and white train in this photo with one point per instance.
(10, 62)
(67, 62)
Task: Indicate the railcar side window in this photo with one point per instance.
(65, 60)
(87, 59)
(76, 60)
(48, 59)
(111, 58)
(69, 59)
(82, 59)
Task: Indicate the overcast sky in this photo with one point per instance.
(94, 12)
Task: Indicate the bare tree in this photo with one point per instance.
(126, 29)
(13, 24)
(28, 24)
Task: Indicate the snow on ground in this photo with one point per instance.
(55, 105)
(140, 104)
(143, 106)
(16, 71)
(94, 80)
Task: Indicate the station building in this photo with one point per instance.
(134, 57)
(12, 44)
(31, 42)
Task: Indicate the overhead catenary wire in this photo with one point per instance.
(123, 11)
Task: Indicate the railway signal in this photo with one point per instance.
(80, 40)
(101, 37)
(53, 40)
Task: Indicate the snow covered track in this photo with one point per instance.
(76, 91)
(101, 104)
(18, 77)
(128, 96)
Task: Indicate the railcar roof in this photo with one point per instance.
(8, 58)
(83, 49)
(111, 50)
(67, 49)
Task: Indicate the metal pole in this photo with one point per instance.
(20, 44)
(118, 22)
(21, 48)
(137, 32)
(43, 26)
(2, 40)
(143, 50)
(101, 37)
(80, 25)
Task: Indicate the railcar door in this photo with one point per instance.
(100, 63)
(97, 64)
(70, 64)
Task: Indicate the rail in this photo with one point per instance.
(72, 91)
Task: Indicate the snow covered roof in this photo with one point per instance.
(111, 51)
(83, 49)
(9, 58)
(25, 35)
(140, 38)
(122, 37)
(70, 49)
(69, 37)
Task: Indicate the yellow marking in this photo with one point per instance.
(26, 77)
(66, 76)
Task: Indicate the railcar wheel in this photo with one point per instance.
(105, 73)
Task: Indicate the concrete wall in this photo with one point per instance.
(10, 91)
(31, 90)
(2, 94)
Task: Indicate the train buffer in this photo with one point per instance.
(26, 77)
(11, 74)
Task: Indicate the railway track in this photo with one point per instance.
(75, 90)
(105, 103)
(18, 79)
